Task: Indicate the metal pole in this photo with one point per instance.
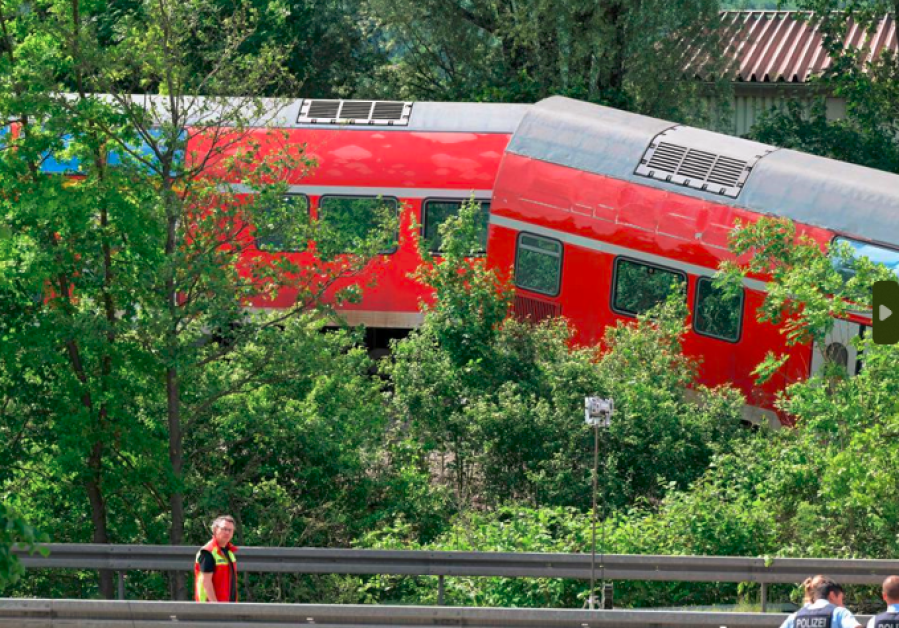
(440, 591)
(593, 555)
(121, 585)
(764, 597)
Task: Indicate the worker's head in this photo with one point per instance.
(827, 589)
(808, 588)
(891, 590)
(223, 529)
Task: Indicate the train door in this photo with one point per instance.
(838, 347)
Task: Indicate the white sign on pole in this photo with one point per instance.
(598, 412)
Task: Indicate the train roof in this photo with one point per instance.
(842, 197)
(352, 115)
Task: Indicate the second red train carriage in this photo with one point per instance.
(603, 213)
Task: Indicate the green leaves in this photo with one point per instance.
(500, 401)
(130, 267)
(624, 55)
(14, 530)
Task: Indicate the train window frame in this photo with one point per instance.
(561, 256)
(308, 217)
(358, 197)
(424, 220)
(695, 317)
(852, 242)
(636, 260)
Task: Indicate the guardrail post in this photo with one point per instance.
(121, 585)
(608, 594)
(440, 591)
(763, 597)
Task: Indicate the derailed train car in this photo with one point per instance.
(599, 213)
(422, 160)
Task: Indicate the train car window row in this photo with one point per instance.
(345, 222)
(638, 287)
(716, 313)
(538, 264)
(877, 254)
(436, 212)
(279, 231)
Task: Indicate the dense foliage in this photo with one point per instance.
(131, 373)
(822, 489)
(500, 401)
(625, 54)
(14, 531)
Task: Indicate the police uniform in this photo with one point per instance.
(887, 619)
(821, 614)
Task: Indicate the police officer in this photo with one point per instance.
(889, 618)
(826, 611)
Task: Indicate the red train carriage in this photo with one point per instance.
(601, 212)
(422, 159)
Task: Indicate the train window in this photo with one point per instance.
(877, 254)
(345, 222)
(639, 287)
(435, 214)
(283, 228)
(538, 264)
(717, 314)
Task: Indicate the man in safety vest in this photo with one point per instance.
(889, 618)
(215, 569)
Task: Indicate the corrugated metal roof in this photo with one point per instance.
(785, 46)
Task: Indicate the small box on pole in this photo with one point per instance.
(598, 412)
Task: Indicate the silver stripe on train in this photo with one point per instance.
(614, 249)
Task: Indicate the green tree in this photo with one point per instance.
(497, 404)
(711, 519)
(629, 55)
(125, 285)
(830, 486)
(14, 531)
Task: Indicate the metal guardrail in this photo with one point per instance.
(504, 564)
(19, 613)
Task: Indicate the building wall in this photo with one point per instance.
(751, 101)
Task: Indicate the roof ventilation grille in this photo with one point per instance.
(355, 112)
(727, 171)
(704, 168)
(389, 110)
(667, 157)
(322, 108)
(697, 164)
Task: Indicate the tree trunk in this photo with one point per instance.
(173, 398)
(615, 88)
(106, 576)
(98, 514)
(176, 499)
(93, 484)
